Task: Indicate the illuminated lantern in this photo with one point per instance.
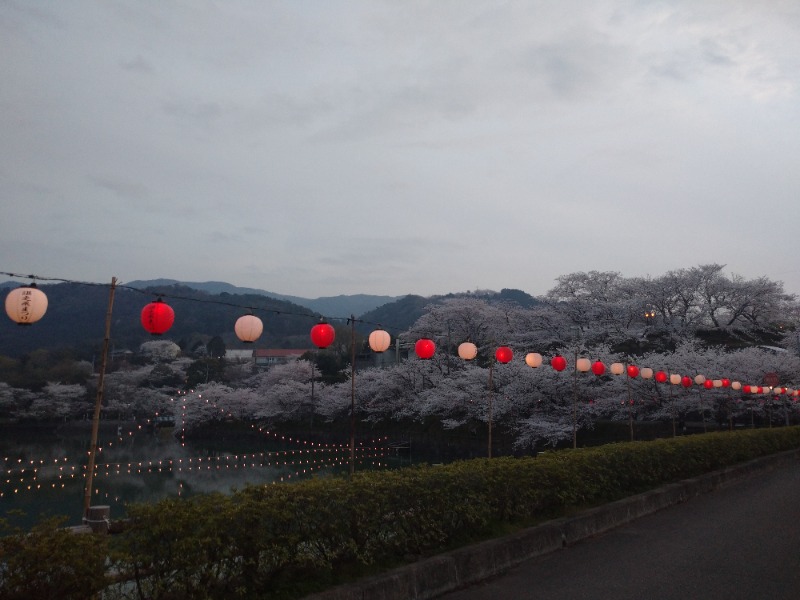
(533, 359)
(759, 390)
(248, 328)
(686, 381)
(661, 377)
(583, 364)
(647, 373)
(633, 370)
(559, 363)
(735, 385)
(746, 389)
(598, 368)
(26, 305)
(425, 348)
(708, 384)
(379, 340)
(675, 379)
(322, 335)
(717, 383)
(726, 382)
(699, 379)
(617, 368)
(157, 317)
(503, 354)
(467, 350)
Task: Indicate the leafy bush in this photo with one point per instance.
(51, 562)
(283, 541)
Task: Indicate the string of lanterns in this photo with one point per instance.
(27, 305)
(425, 349)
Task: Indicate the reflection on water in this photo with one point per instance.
(45, 474)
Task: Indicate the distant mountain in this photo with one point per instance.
(331, 306)
(75, 319)
(76, 312)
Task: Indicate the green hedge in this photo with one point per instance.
(285, 540)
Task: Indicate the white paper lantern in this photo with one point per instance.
(533, 359)
(26, 305)
(248, 328)
(467, 350)
(379, 340)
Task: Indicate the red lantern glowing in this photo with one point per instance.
(559, 363)
(661, 377)
(708, 384)
(322, 335)
(598, 368)
(633, 371)
(425, 348)
(157, 317)
(504, 354)
(726, 382)
(746, 389)
(686, 381)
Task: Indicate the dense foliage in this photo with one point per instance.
(689, 322)
(286, 540)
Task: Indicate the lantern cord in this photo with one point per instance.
(150, 293)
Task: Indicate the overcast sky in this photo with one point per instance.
(318, 148)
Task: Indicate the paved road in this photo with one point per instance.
(741, 541)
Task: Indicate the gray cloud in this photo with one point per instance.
(394, 148)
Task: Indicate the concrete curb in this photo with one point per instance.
(444, 573)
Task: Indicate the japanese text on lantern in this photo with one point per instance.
(25, 306)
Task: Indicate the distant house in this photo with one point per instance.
(239, 355)
(267, 358)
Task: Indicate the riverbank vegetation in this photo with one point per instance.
(285, 541)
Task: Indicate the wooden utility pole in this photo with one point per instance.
(87, 497)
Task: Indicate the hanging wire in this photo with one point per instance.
(244, 307)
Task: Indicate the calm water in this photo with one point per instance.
(44, 474)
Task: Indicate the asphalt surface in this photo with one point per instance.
(739, 541)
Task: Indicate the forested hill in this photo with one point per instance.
(76, 315)
(402, 314)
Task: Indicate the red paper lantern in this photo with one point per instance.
(746, 389)
(425, 348)
(559, 363)
(504, 354)
(633, 371)
(708, 384)
(686, 381)
(598, 368)
(157, 317)
(661, 377)
(322, 335)
(726, 383)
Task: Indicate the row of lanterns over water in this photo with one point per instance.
(28, 304)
